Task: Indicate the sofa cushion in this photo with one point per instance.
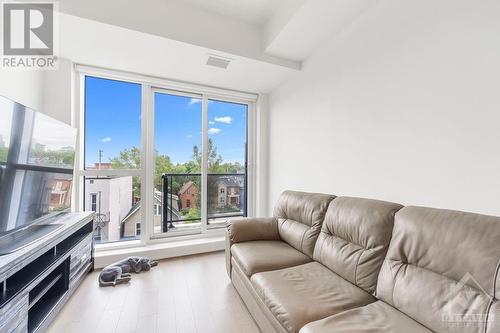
(441, 268)
(260, 256)
(300, 216)
(305, 293)
(376, 317)
(355, 237)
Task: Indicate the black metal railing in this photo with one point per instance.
(100, 221)
(181, 192)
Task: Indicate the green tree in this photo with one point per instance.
(131, 159)
(163, 164)
(216, 165)
(214, 159)
(127, 159)
(51, 157)
(3, 154)
(191, 213)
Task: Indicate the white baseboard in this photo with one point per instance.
(161, 251)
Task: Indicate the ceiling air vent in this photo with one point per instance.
(217, 61)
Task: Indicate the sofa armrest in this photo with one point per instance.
(253, 228)
(248, 229)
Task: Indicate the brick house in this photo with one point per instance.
(188, 195)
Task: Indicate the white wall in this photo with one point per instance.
(24, 87)
(57, 91)
(115, 202)
(403, 105)
(120, 202)
(44, 91)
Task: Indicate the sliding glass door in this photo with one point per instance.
(200, 162)
(178, 146)
(227, 161)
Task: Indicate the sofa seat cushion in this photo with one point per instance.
(302, 294)
(266, 255)
(376, 317)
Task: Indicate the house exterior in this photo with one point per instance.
(111, 199)
(131, 223)
(102, 166)
(188, 195)
(228, 192)
(60, 194)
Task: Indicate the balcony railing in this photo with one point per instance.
(100, 220)
(181, 198)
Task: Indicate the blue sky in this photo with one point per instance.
(112, 123)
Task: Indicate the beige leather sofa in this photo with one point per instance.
(326, 264)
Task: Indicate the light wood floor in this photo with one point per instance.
(187, 294)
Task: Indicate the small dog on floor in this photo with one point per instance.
(119, 272)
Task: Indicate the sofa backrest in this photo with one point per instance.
(442, 269)
(355, 237)
(300, 216)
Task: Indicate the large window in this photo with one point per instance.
(180, 155)
(112, 159)
(160, 163)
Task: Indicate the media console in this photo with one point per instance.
(38, 279)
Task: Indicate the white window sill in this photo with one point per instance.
(107, 254)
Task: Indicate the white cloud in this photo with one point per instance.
(194, 101)
(211, 122)
(106, 139)
(213, 130)
(224, 120)
(198, 100)
(189, 136)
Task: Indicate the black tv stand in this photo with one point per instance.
(37, 279)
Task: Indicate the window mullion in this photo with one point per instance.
(78, 122)
(147, 164)
(204, 163)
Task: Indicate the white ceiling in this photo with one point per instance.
(103, 45)
(267, 39)
(181, 21)
(255, 12)
(310, 25)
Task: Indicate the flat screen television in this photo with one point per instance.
(36, 169)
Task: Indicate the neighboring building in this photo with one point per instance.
(102, 166)
(188, 195)
(111, 199)
(228, 192)
(60, 195)
(131, 223)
